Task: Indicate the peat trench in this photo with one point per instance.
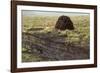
(53, 47)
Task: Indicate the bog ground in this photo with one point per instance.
(40, 41)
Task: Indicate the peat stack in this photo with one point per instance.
(63, 23)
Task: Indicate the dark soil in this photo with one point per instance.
(53, 47)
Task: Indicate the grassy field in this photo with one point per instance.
(79, 36)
